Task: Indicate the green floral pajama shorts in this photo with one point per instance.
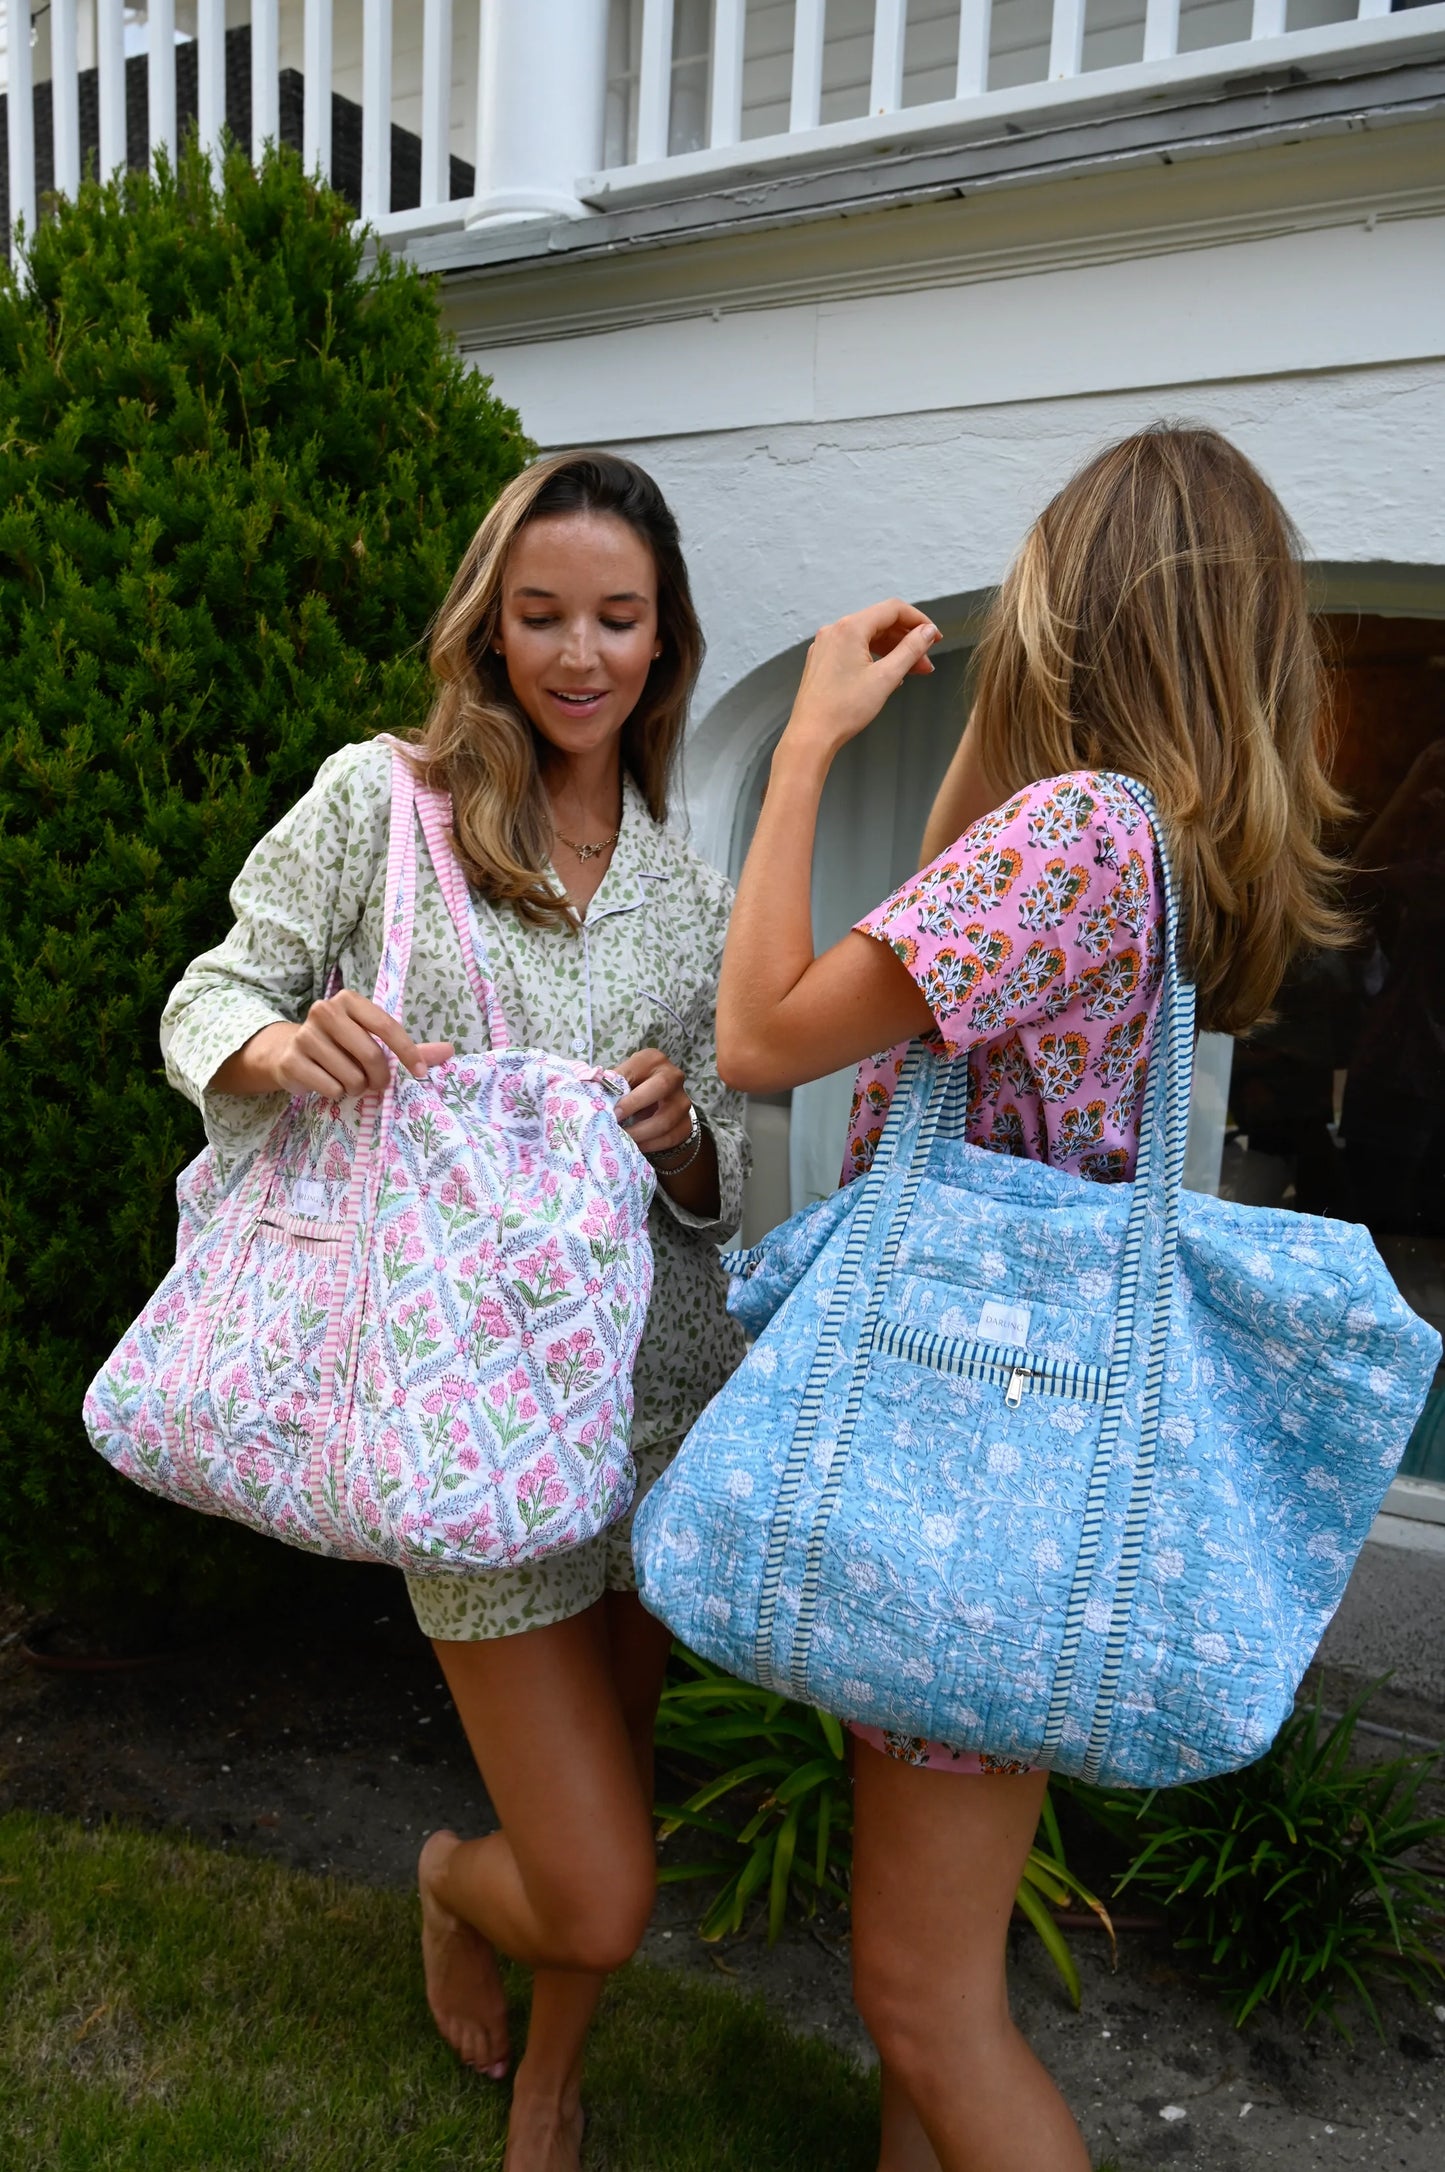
(462, 1609)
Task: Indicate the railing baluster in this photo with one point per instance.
(1066, 46)
(110, 56)
(436, 102)
(729, 37)
(161, 77)
(20, 109)
(265, 76)
(806, 104)
(211, 77)
(975, 18)
(65, 96)
(1370, 9)
(316, 94)
(890, 28)
(654, 85)
(375, 108)
(1161, 29)
(1269, 19)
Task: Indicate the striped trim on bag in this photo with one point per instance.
(1003, 1363)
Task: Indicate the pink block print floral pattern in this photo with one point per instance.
(1036, 941)
(387, 1335)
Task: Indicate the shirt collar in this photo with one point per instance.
(639, 859)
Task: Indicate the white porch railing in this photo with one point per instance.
(460, 113)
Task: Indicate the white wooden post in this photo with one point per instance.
(65, 96)
(211, 77)
(110, 56)
(1161, 29)
(975, 19)
(1270, 18)
(21, 114)
(541, 106)
(1369, 9)
(806, 104)
(161, 77)
(316, 94)
(375, 108)
(436, 102)
(890, 28)
(1066, 46)
(654, 82)
(265, 76)
(729, 37)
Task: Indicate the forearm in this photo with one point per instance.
(252, 1069)
(770, 938)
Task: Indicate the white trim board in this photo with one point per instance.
(1331, 298)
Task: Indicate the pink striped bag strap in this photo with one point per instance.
(399, 912)
(435, 809)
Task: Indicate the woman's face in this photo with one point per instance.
(578, 629)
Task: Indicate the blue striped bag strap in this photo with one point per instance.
(1158, 1179)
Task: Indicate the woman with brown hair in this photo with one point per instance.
(1153, 626)
(563, 657)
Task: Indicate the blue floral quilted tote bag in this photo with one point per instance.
(1069, 1472)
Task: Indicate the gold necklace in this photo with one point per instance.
(588, 852)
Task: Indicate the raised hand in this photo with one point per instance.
(852, 667)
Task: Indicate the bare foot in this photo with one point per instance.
(543, 2137)
(463, 1983)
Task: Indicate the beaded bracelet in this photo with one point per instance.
(690, 1148)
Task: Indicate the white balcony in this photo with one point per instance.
(466, 114)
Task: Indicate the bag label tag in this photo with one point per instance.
(308, 1197)
(1002, 1320)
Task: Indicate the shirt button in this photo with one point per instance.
(579, 1048)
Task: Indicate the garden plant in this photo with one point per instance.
(1301, 1881)
(776, 1803)
(239, 457)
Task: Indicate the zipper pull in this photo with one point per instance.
(1014, 1393)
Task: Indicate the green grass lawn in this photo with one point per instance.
(169, 2009)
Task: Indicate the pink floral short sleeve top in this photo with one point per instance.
(1037, 940)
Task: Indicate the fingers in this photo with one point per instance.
(657, 1114)
(909, 656)
(884, 625)
(334, 1051)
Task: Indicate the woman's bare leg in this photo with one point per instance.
(936, 1862)
(904, 2146)
(560, 1722)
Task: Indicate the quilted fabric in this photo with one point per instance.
(1064, 1472)
(404, 1329)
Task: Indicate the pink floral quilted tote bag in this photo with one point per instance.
(404, 1329)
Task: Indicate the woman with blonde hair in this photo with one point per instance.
(564, 657)
(1153, 626)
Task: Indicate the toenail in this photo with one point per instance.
(497, 2071)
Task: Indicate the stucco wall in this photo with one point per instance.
(789, 525)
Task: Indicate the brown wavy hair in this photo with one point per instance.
(1155, 622)
(478, 744)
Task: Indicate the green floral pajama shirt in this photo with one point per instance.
(641, 972)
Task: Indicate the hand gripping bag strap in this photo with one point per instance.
(908, 1109)
(1158, 1176)
(373, 1116)
(435, 809)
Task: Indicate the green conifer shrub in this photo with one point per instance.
(239, 458)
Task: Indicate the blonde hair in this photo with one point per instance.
(478, 745)
(1155, 622)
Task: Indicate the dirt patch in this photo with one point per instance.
(323, 1736)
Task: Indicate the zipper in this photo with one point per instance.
(1018, 1372)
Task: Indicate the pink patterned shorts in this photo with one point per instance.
(933, 1756)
